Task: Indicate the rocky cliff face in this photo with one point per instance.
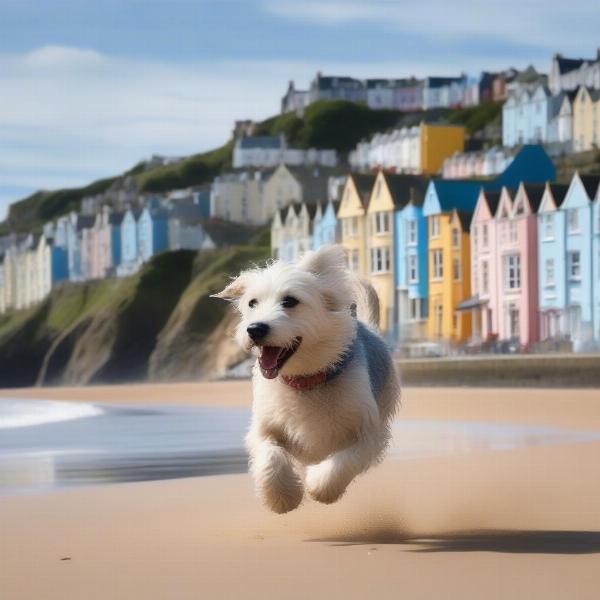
(159, 324)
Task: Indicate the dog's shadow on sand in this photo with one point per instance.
(502, 541)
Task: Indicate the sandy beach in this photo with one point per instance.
(518, 523)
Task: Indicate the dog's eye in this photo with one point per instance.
(253, 303)
(289, 302)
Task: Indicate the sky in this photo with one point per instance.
(89, 88)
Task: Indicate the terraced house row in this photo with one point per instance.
(515, 258)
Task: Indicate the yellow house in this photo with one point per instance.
(351, 216)
(390, 193)
(438, 142)
(586, 119)
(449, 275)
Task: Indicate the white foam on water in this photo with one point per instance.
(29, 413)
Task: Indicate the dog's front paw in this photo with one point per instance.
(323, 485)
(277, 483)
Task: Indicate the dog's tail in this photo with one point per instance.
(366, 302)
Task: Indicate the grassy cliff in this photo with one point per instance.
(157, 324)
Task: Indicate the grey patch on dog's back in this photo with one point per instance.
(376, 355)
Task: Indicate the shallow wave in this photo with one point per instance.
(28, 413)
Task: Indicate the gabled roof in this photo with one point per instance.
(565, 65)
(454, 193)
(531, 165)
(559, 191)
(591, 184)
(465, 219)
(535, 193)
(261, 141)
(364, 185)
(329, 82)
(406, 188)
(492, 199)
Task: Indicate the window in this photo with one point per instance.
(512, 272)
(411, 232)
(415, 309)
(380, 260)
(378, 188)
(574, 265)
(548, 226)
(485, 236)
(413, 271)
(381, 222)
(475, 236)
(438, 266)
(549, 272)
(455, 237)
(485, 277)
(512, 231)
(573, 220)
(435, 226)
(350, 227)
(456, 269)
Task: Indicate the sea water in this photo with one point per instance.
(49, 444)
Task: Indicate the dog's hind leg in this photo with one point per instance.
(327, 481)
(277, 483)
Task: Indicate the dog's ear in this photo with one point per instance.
(325, 260)
(233, 290)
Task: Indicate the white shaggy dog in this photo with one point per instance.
(325, 387)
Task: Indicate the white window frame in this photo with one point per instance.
(511, 265)
(513, 235)
(484, 235)
(380, 260)
(455, 237)
(437, 264)
(574, 265)
(413, 268)
(381, 222)
(412, 235)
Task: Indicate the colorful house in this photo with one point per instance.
(581, 265)
(390, 193)
(411, 268)
(295, 236)
(129, 246)
(449, 206)
(152, 233)
(551, 264)
(586, 119)
(352, 219)
(325, 225)
(516, 258)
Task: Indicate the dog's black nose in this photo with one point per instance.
(258, 331)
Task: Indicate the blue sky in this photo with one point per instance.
(89, 88)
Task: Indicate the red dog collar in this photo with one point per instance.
(305, 382)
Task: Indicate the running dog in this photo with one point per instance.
(324, 385)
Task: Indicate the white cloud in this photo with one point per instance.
(542, 23)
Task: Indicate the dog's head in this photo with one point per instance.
(295, 318)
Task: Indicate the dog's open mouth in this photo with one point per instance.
(272, 358)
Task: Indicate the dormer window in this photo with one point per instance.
(573, 220)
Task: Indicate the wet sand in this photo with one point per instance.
(521, 523)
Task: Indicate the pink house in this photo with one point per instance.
(505, 263)
(484, 279)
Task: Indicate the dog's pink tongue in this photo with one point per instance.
(269, 356)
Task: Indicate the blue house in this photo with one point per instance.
(325, 225)
(152, 233)
(578, 208)
(129, 247)
(115, 221)
(551, 264)
(411, 268)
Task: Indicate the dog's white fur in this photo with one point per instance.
(317, 439)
